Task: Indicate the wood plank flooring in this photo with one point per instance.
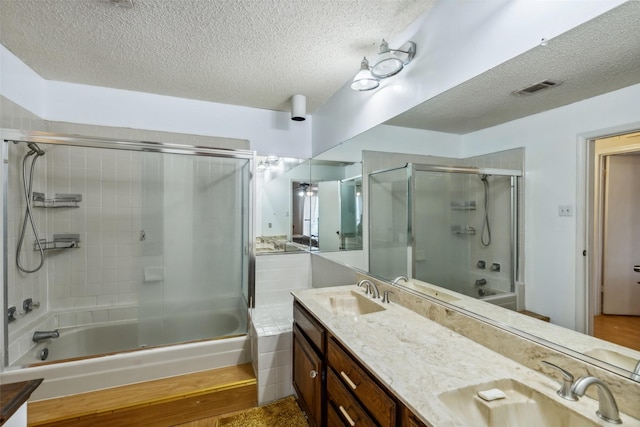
(165, 402)
(622, 330)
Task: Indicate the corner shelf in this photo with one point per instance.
(463, 205)
(58, 201)
(59, 242)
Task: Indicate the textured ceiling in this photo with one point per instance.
(255, 53)
(597, 57)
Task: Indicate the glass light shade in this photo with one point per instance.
(387, 65)
(364, 80)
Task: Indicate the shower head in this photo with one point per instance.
(34, 148)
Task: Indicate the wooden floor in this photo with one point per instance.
(165, 402)
(622, 330)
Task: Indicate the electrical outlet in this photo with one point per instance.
(565, 210)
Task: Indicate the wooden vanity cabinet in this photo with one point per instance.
(360, 385)
(410, 420)
(309, 371)
(333, 388)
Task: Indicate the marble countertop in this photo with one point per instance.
(418, 359)
(570, 339)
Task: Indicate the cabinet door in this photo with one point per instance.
(410, 420)
(307, 377)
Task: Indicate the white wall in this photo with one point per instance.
(456, 41)
(396, 139)
(554, 143)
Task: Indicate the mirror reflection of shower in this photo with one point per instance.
(485, 234)
(27, 185)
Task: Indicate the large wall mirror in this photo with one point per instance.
(435, 134)
(308, 205)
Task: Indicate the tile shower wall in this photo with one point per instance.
(97, 282)
(509, 159)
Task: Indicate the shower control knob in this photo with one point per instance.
(313, 373)
(636, 268)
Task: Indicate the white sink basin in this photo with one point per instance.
(523, 406)
(348, 303)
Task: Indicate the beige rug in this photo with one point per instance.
(282, 413)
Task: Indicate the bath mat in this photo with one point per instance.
(282, 413)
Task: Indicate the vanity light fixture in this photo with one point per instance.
(389, 62)
(269, 163)
(364, 80)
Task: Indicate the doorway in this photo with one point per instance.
(615, 290)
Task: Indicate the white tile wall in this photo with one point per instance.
(272, 353)
(278, 275)
(100, 279)
(272, 320)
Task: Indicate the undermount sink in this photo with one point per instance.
(349, 303)
(613, 358)
(523, 406)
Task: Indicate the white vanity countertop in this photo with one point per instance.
(418, 359)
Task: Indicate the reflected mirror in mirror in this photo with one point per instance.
(338, 204)
(275, 205)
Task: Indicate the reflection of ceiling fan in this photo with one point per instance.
(306, 189)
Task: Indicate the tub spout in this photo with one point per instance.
(43, 335)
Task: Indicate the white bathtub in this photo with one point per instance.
(77, 376)
(113, 337)
(493, 296)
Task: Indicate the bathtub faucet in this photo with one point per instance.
(481, 282)
(43, 335)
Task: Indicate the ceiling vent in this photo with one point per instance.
(535, 88)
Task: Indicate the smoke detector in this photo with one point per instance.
(537, 87)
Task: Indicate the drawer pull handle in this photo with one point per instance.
(349, 420)
(348, 380)
(313, 373)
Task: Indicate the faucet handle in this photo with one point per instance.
(385, 296)
(565, 390)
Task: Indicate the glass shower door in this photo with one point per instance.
(195, 248)
(444, 227)
(389, 233)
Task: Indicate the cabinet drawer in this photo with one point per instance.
(381, 406)
(333, 418)
(311, 328)
(346, 408)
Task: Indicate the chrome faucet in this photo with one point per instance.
(371, 288)
(608, 409)
(44, 335)
(367, 283)
(397, 279)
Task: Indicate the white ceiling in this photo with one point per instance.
(599, 56)
(255, 53)
(258, 53)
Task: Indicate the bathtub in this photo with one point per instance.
(493, 296)
(111, 368)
